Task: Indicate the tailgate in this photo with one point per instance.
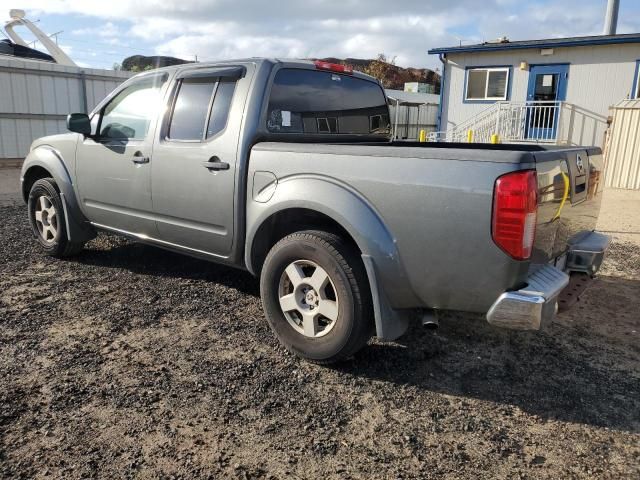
(570, 183)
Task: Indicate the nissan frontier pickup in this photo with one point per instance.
(288, 169)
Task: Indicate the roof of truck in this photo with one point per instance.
(289, 62)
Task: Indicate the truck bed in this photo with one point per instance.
(436, 201)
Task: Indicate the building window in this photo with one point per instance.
(487, 84)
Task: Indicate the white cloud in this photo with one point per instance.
(405, 29)
(107, 30)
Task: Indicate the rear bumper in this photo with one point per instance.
(586, 254)
(537, 303)
(530, 307)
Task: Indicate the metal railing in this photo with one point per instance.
(537, 122)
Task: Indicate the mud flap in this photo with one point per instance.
(390, 323)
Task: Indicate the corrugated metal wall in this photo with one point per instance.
(35, 98)
(622, 154)
(413, 118)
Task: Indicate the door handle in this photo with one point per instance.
(139, 158)
(214, 163)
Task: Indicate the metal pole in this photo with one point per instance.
(558, 139)
(84, 100)
(611, 19)
(395, 124)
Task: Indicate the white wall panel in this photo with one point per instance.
(622, 154)
(36, 96)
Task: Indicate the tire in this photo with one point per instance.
(46, 216)
(293, 289)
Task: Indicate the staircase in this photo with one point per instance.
(512, 122)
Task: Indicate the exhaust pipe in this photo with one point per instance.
(430, 319)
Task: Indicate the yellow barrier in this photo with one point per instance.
(495, 138)
(470, 136)
(423, 135)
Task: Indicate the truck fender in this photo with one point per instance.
(51, 160)
(362, 222)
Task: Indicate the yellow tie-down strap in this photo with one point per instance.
(565, 177)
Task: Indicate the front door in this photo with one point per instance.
(194, 162)
(547, 88)
(113, 166)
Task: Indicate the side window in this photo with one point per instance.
(220, 108)
(191, 108)
(194, 108)
(131, 111)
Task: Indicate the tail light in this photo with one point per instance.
(515, 202)
(333, 67)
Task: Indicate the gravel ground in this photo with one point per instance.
(129, 361)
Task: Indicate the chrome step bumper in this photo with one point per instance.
(586, 254)
(530, 307)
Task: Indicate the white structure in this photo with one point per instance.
(418, 87)
(18, 18)
(36, 96)
(411, 113)
(555, 90)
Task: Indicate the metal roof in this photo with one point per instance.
(543, 43)
(632, 103)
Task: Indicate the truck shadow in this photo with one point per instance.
(584, 368)
(149, 260)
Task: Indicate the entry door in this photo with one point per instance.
(547, 88)
(113, 166)
(194, 163)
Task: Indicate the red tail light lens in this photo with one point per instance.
(333, 67)
(515, 202)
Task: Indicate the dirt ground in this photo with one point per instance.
(129, 361)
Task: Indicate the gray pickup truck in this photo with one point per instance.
(288, 169)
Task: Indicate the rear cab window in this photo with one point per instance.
(312, 102)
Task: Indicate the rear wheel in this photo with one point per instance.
(46, 216)
(316, 296)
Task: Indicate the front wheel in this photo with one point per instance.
(46, 216)
(316, 296)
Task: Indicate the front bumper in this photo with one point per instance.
(537, 303)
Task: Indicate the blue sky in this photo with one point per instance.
(101, 33)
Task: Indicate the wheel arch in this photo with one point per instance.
(315, 202)
(45, 161)
(31, 176)
(338, 208)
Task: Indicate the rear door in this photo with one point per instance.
(194, 161)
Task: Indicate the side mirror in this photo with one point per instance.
(79, 123)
